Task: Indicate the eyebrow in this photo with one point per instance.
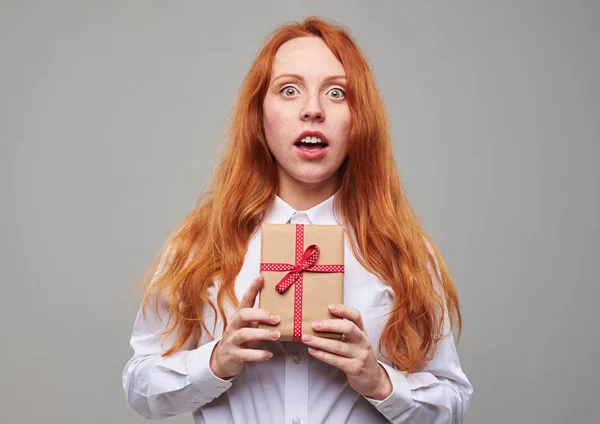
(301, 78)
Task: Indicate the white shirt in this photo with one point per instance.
(292, 387)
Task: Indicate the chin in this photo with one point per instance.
(312, 174)
(313, 178)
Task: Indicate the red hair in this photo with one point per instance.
(387, 238)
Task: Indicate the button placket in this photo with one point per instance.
(296, 385)
(296, 372)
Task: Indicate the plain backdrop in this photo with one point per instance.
(111, 117)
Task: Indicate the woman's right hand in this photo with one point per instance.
(241, 337)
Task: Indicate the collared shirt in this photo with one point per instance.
(292, 387)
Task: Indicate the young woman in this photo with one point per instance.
(309, 144)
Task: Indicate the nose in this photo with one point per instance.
(312, 110)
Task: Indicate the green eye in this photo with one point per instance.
(337, 93)
(288, 91)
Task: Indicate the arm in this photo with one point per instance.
(157, 387)
(440, 393)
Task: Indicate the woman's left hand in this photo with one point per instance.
(354, 356)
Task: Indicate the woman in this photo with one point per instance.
(197, 347)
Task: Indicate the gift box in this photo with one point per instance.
(303, 270)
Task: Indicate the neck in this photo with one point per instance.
(302, 196)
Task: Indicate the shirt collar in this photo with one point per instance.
(321, 214)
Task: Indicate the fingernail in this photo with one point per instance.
(306, 338)
(269, 355)
(317, 324)
(275, 334)
(332, 307)
(275, 318)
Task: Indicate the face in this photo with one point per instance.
(313, 99)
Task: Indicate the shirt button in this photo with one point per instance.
(297, 359)
(387, 409)
(301, 217)
(221, 388)
(296, 420)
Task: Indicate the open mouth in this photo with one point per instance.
(311, 148)
(311, 144)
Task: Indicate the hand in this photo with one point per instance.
(241, 337)
(355, 356)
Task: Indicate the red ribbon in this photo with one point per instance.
(305, 261)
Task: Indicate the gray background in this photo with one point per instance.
(111, 115)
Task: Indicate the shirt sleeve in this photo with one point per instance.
(159, 387)
(438, 394)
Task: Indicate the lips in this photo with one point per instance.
(317, 134)
(311, 153)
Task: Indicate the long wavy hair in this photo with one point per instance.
(210, 243)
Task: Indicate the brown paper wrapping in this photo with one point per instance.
(319, 289)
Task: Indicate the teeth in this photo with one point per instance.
(312, 140)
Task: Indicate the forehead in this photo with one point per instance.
(308, 56)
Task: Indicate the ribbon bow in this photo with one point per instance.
(310, 256)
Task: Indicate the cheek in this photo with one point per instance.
(274, 119)
(347, 121)
(342, 127)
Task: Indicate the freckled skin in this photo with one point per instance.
(292, 106)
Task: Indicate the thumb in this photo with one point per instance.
(249, 296)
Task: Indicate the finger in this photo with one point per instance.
(247, 316)
(247, 334)
(252, 355)
(255, 344)
(341, 362)
(333, 346)
(348, 312)
(342, 326)
(249, 296)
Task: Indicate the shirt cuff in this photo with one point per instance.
(200, 374)
(399, 400)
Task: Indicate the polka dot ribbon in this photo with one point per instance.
(305, 261)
